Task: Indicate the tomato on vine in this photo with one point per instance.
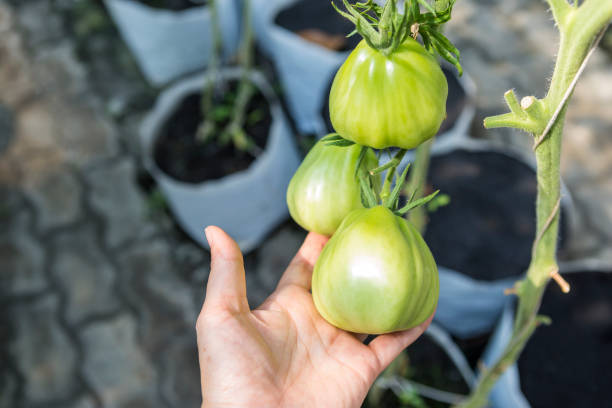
(391, 91)
(375, 275)
(382, 101)
(325, 188)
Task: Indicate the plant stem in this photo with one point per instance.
(391, 165)
(207, 127)
(418, 178)
(578, 27)
(235, 128)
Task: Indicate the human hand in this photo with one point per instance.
(282, 354)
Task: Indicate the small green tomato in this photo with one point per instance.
(324, 189)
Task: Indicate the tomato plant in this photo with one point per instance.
(325, 188)
(382, 100)
(375, 275)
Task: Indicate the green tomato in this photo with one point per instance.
(383, 101)
(324, 189)
(375, 275)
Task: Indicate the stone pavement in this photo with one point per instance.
(99, 291)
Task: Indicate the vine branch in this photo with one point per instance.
(579, 27)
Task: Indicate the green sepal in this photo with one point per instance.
(368, 196)
(392, 200)
(334, 139)
(386, 28)
(417, 203)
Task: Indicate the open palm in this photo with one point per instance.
(282, 354)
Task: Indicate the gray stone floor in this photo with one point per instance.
(99, 290)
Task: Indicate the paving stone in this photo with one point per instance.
(15, 79)
(180, 383)
(46, 356)
(8, 388)
(22, 258)
(115, 365)
(56, 195)
(116, 197)
(85, 275)
(164, 300)
(43, 26)
(84, 134)
(83, 402)
(6, 127)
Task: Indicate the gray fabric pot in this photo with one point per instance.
(168, 44)
(247, 204)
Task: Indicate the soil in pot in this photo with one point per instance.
(174, 5)
(567, 364)
(487, 229)
(455, 103)
(425, 363)
(179, 154)
(317, 21)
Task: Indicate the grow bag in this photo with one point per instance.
(246, 204)
(567, 364)
(168, 44)
(304, 68)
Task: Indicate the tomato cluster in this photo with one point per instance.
(376, 274)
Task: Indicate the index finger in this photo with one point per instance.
(299, 271)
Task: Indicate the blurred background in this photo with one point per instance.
(103, 262)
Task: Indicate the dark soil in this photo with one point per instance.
(455, 103)
(317, 15)
(567, 364)
(427, 364)
(487, 229)
(174, 5)
(180, 155)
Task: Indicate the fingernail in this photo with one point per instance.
(208, 234)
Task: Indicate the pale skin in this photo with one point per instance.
(282, 354)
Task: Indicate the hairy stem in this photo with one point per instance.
(578, 27)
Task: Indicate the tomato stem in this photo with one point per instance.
(386, 28)
(578, 27)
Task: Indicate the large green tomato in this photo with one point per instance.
(375, 275)
(382, 101)
(324, 189)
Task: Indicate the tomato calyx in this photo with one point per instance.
(371, 195)
(385, 28)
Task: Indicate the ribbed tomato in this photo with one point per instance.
(375, 275)
(324, 189)
(383, 101)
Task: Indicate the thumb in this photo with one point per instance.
(226, 287)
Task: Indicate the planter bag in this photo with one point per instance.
(247, 204)
(168, 44)
(305, 69)
(507, 391)
(468, 307)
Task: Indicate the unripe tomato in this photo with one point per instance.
(375, 275)
(382, 101)
(324, 189)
